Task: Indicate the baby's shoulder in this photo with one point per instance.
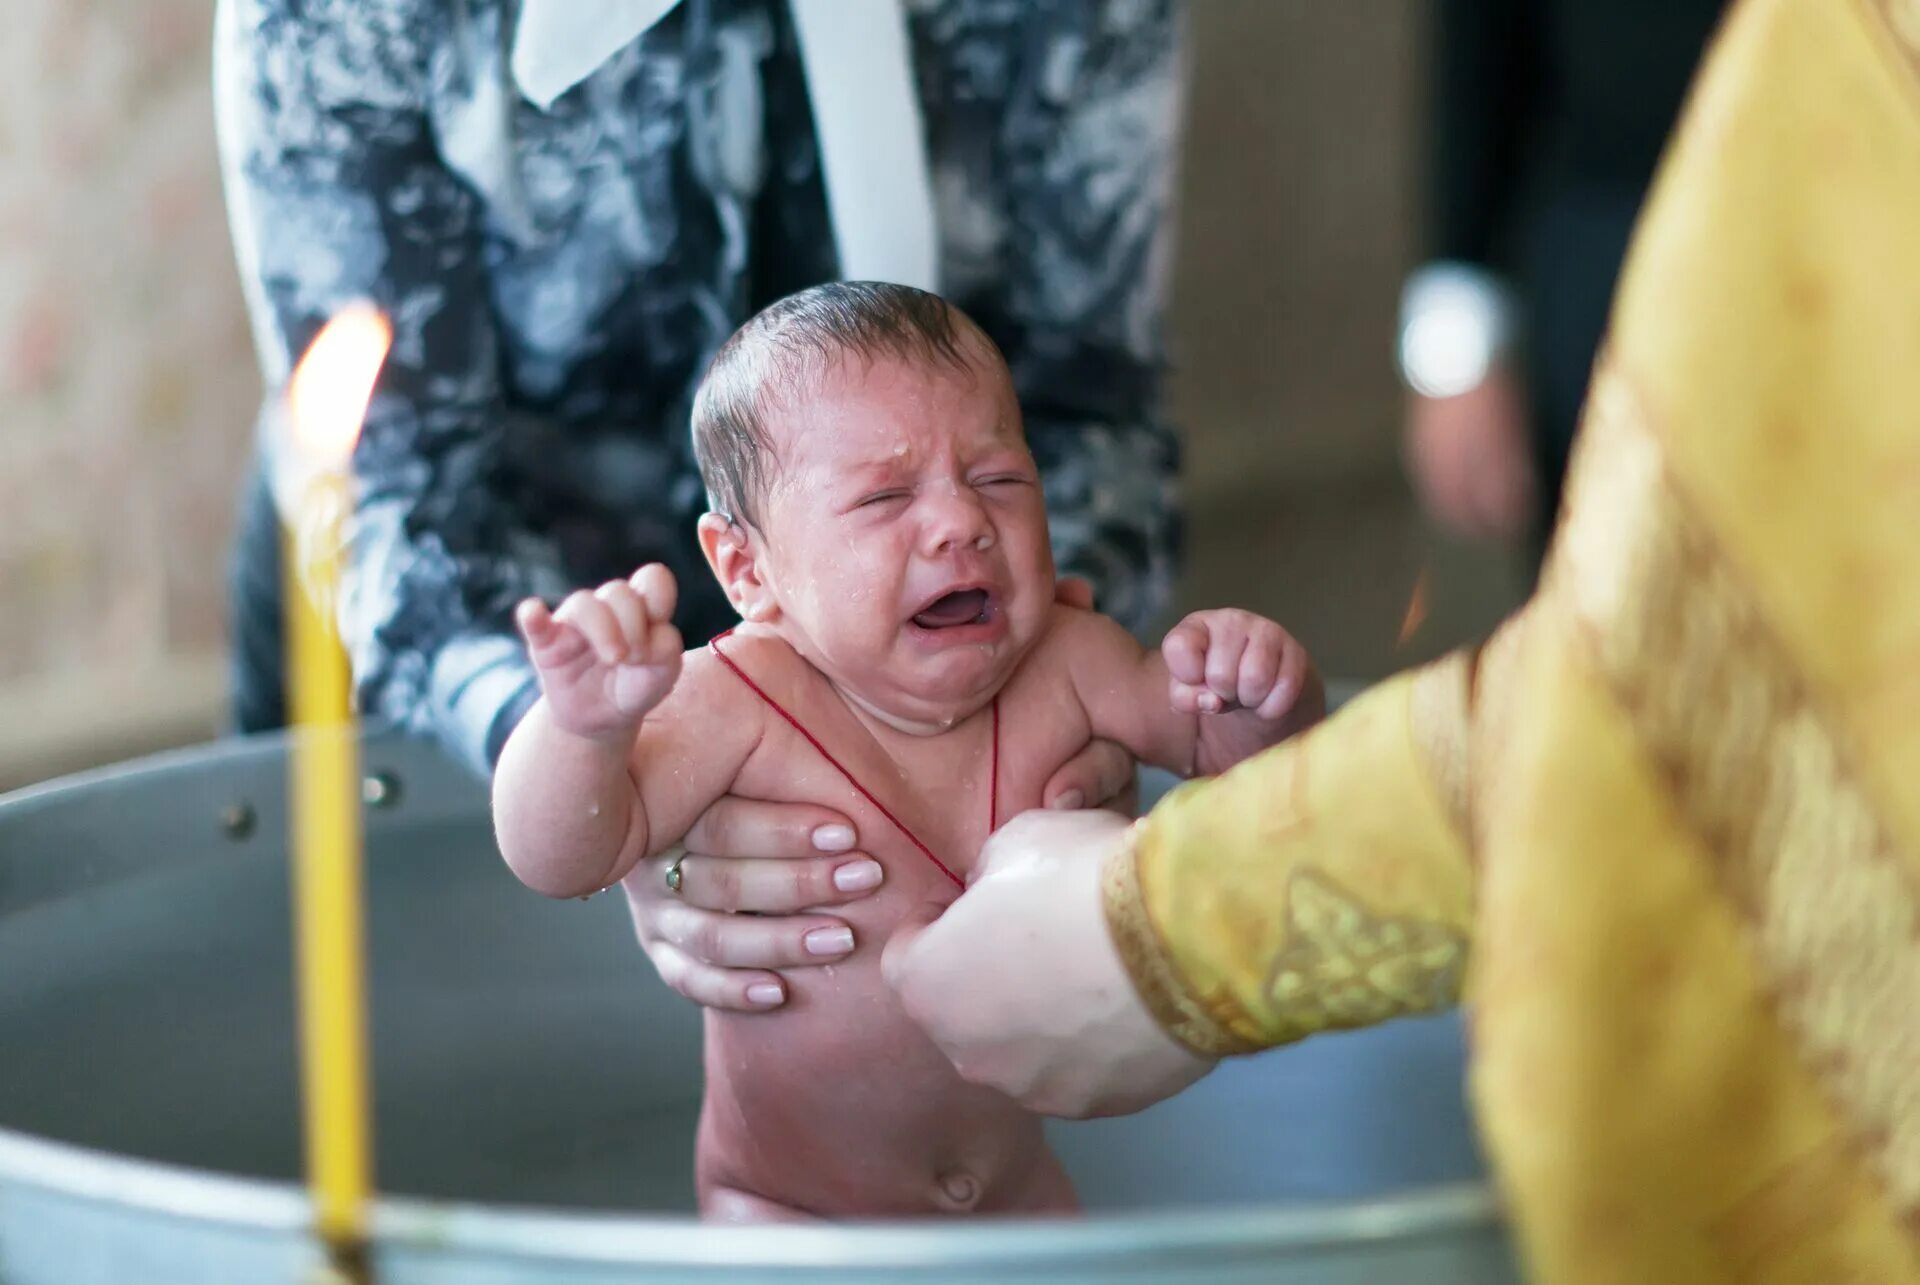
(749, 644)
(752, 663)
(1076, 627)
(1078, 641)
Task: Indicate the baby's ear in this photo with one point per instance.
(732, 554)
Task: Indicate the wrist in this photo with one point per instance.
(604, 739)
(1457, 322)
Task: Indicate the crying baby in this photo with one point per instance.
(901, 658)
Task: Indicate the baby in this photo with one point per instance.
(901, 658)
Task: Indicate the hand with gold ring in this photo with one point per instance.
(742, 898)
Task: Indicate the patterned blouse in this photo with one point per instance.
(558, 279)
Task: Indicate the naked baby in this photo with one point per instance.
(881, 533)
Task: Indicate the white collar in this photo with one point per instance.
(558, 43)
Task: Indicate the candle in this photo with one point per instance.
(327, 402)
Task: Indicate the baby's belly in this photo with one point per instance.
(840, 1106)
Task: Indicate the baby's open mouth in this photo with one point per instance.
(961, 607)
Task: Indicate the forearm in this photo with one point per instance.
(431, 636)
(337, 192)
(567, 815)
(1322, 885)
(1226, 740)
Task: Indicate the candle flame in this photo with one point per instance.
(1416, 611)
(333, 383)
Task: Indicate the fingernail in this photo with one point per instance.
(1210, 703)
(857, 876)
(765, 994)
(833, 838)
(1069, 801)
(829, 941)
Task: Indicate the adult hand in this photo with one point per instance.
(1470, 461)
(773, 859)
(1101, 775)
(1019, 982)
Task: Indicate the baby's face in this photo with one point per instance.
(905, 536)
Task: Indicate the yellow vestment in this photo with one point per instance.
(1664, 830)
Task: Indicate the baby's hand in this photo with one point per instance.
(1229, 659)
(608, 657)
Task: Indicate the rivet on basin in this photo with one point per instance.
(380, 790)
(236, 820)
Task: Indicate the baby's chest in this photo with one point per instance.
(917, 817)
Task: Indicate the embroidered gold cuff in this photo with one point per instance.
(1146, 959)
(1437, 709)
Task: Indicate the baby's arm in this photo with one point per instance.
(1223, 686)
(627, 745)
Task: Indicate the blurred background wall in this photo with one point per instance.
(1299, 220)
(127, 382)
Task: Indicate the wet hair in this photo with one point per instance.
(782, 351)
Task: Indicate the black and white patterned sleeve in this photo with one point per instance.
(1071, 273)
(336, 193)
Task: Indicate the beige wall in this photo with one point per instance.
(127, 382)
(1298, 195)
(1300, 212)
(126, 379)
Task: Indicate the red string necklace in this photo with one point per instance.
(993, 770)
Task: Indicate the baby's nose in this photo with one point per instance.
(981, 540)
(960, 522)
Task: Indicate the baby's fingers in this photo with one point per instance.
(596, 623)
(1185, 651)
(1224, 651)
(548, 641)
(656, 587)
(662, 645)
(535, 623)
(630, 615)
(1291, 681)
(1186, 698)
(1260, 667)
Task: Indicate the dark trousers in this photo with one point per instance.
(256, 681)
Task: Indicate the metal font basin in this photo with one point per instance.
(537, 1087)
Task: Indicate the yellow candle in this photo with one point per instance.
(327, 401)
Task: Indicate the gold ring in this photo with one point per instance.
(673, 873)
